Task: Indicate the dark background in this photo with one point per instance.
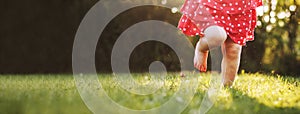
(36, 36)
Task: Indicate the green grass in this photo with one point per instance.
(57, 94)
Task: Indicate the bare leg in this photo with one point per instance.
(200, 58)
(214, 37)
(231, 61)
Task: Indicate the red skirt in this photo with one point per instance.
(237, 17)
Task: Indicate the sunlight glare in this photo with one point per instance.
(272, 14)
(281, 15)
(174, 10)
(259, 23)
(269, 28)
(266, 9)
(273, 20)
(281, 23)
(266, 18)
(293, 8)
(260, 11)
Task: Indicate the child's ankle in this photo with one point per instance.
(227, 82)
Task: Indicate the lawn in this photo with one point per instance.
(57, 94)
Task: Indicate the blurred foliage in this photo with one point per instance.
(277, 43)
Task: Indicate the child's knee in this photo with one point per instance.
(216, 35)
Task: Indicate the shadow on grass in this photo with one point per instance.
(244, 104)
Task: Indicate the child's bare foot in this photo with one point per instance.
(200, 60)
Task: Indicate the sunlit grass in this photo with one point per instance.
(273, 91)
(48, 94)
